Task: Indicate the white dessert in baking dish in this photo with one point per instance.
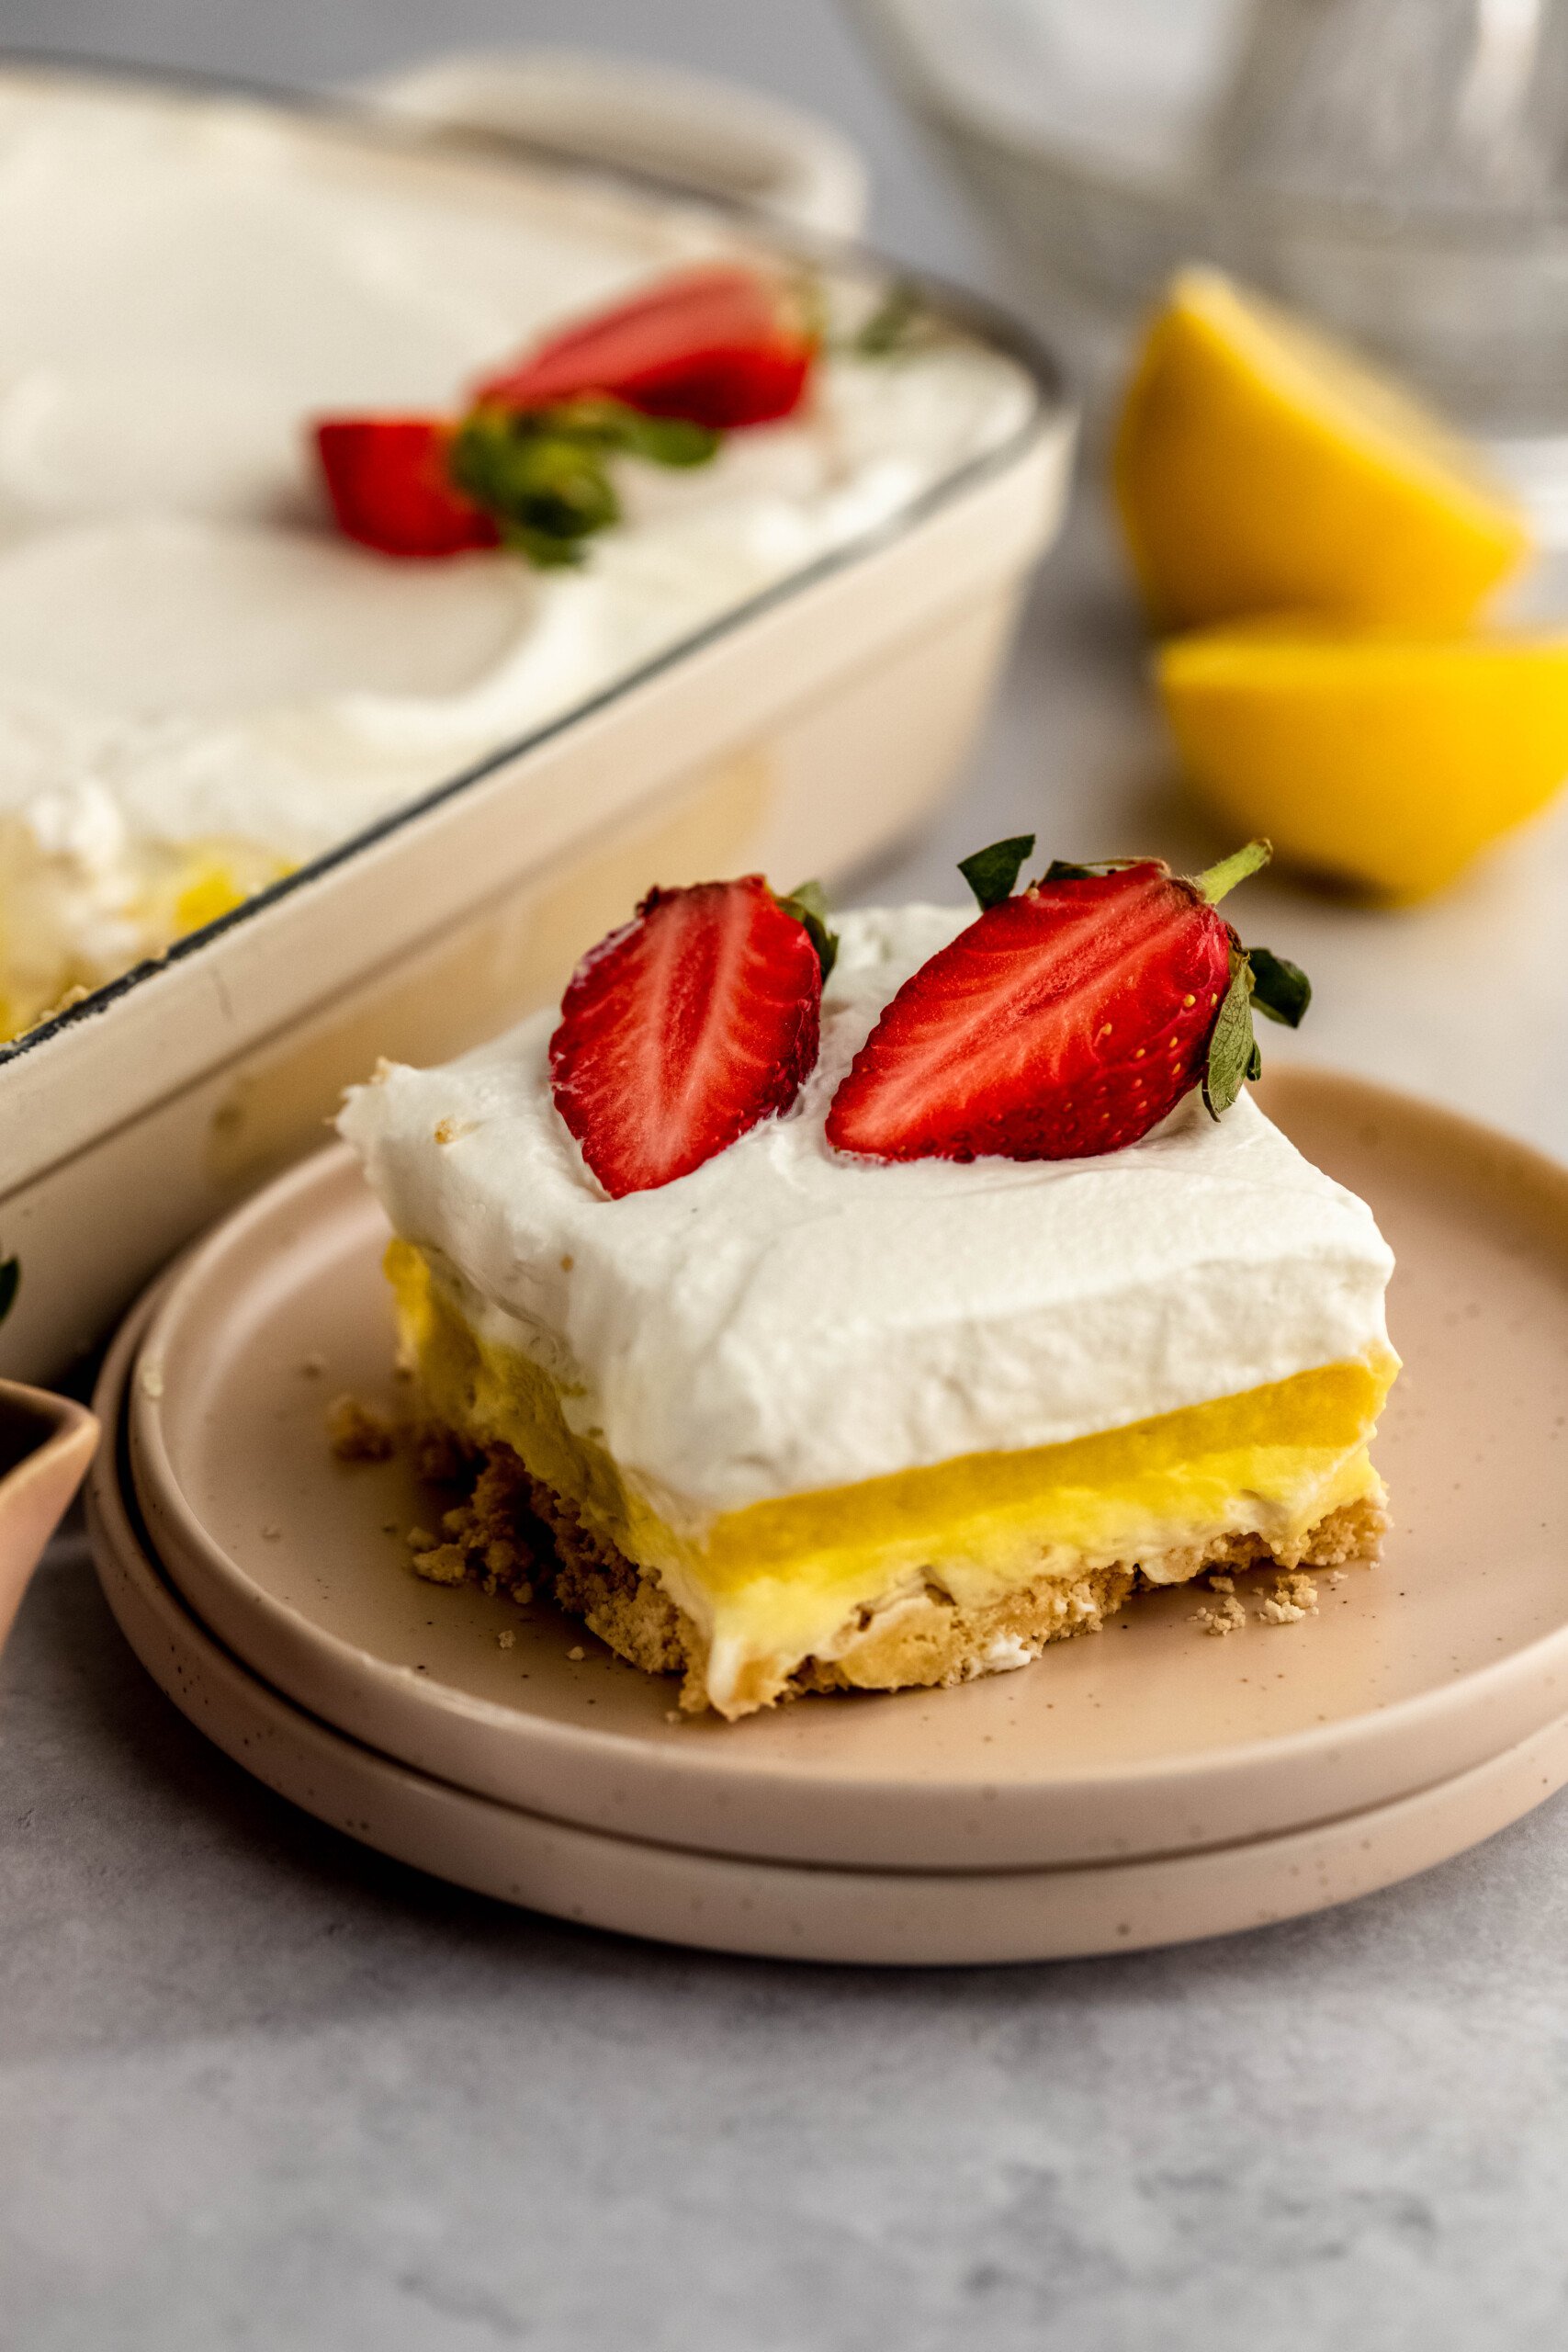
(201, 686)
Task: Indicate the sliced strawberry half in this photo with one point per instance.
(391, 485)
(1068, 1020)
(684, 1028)
(720, 345)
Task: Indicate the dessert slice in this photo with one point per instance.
(793, 1365)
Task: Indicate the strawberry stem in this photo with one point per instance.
(1213, 884)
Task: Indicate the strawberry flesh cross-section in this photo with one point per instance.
(390, 482)
(1067, 1020)
(685, 1027)
(720, 345)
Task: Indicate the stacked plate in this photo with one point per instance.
(1157, 1784)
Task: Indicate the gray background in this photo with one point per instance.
(258, 2087)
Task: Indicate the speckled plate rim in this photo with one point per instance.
(784, 1910)
(725, 1800)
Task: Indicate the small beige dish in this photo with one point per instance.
(1153, 1750)
(46, 1443)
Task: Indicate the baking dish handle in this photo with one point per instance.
(710, 135)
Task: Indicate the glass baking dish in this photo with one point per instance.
(799, 728)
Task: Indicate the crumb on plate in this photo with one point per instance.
(357, 1433)
(1294, 1597)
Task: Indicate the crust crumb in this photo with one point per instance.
(1230, 1617)
(357, 1433)
(1294, 1597)
(446, 1564)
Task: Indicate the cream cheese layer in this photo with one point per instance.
(787, 1320)
(202, 686)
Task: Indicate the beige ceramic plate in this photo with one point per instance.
(1152, 1738)
(783, 1909)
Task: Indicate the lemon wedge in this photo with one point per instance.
(1258, 468)
(1384, 760)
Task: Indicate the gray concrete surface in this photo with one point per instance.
(260, 2089)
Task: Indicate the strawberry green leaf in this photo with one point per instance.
(1280, 989)
(894, 325)
(1233, 1049)
(545, 550)
(992, 874)
(10, 1282)
(547, 490)
(544, 473)
(808, 904)
(661, 440)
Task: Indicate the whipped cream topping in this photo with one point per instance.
(787, 1318)
(188, 652)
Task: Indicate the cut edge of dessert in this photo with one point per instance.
(1065, 1024)
(832, 1590)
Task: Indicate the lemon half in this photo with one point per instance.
(1258, 468)
(1383, 758)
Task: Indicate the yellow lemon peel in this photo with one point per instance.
(1385, 760)
(1259, 468)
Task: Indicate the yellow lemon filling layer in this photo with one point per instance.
(43, 904)
(780, 1578)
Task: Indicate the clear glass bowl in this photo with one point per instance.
(1397, 168)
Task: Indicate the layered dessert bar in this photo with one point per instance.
(301, 433)
(879, 1330)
